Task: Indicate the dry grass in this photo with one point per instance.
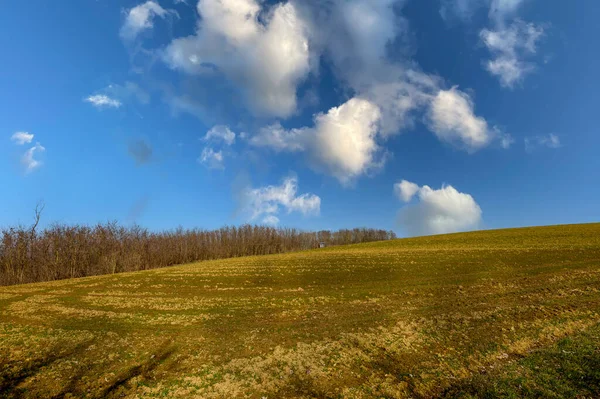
(454, 316)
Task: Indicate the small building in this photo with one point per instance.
(322, 244)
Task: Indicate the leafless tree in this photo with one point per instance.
(62, 251)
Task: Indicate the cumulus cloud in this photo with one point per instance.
(509, 47)
(268, 51)
(451, 117)
(266, 203)
(220, 133)
(342, 142)
(355, 35)
(405, 190)
(441, 211)
(265, 54)
(103, 101)
(549, 141)
(22, 138)
(141, 18)
(346, 141)
(212, 159)
(28, 159)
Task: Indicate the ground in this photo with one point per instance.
(505, 313)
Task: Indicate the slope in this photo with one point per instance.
(449, 315)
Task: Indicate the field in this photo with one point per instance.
(509, 313)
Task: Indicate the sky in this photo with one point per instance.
(421, 117)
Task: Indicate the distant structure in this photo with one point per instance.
(322, 244)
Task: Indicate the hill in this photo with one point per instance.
(510, 313)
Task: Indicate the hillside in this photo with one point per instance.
(501, 313)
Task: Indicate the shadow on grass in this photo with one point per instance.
(140, 370)
(11, 374)
(18, 373)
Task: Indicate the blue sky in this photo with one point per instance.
(418, 116)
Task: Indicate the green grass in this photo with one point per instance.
(506, 313)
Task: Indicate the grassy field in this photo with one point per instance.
(507, 313)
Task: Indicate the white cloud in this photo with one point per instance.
(220, 133)
(405, 190)
(506, 140)
(28, 161)
(358, 49)
(271, 220)
(280, 139)
(354, 36)
(267, 60)
(345, 142)
(267, 202)
(400, 98)
(549, 141)
(114, 95)
(212, 159)
(103, 101)
(140, 18)
(128, 91)
(499, 10)
(342, 142)
(451, 117)
(22, 138)
(509, 46)
(509, 40)
(445, 210)
(463, 9)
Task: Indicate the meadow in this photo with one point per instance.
(504, 313)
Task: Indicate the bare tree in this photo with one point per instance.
(39, 209)
(61, 251)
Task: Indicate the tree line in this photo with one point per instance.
(68, 251)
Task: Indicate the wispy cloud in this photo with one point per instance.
(219, 138)
(212, 159)
(103, 101)
(22, 138)
(28, 159)
(140, 18)
(509, 47)
(510, 41)
(548, 141)
(220, 133)
(265, 203)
